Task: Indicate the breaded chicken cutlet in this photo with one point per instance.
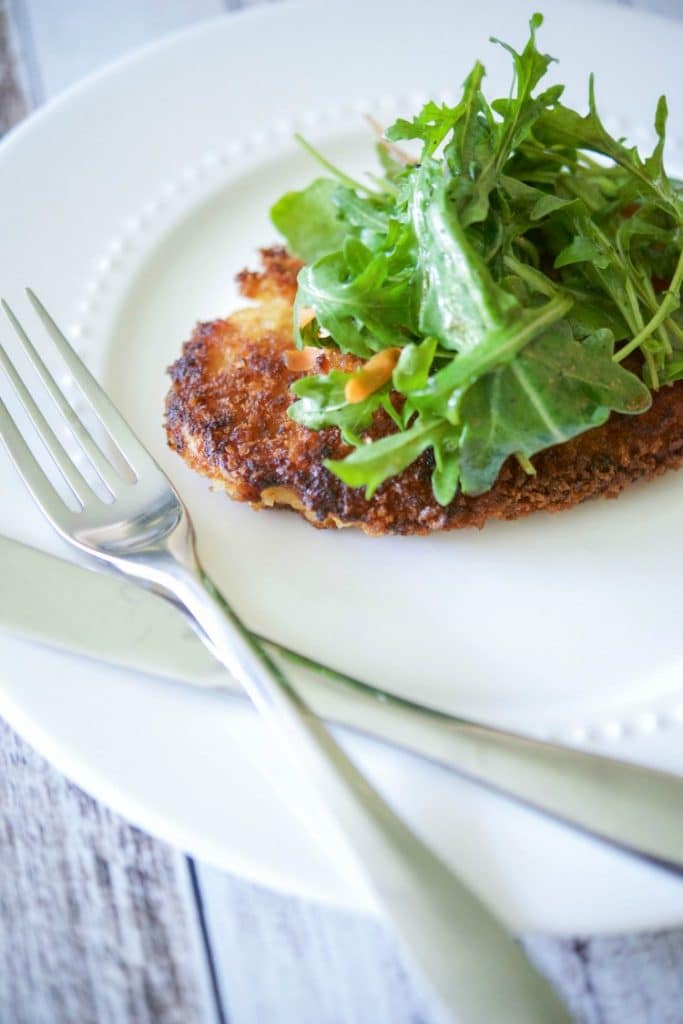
(226, 415)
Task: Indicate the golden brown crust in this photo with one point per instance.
(226, 414)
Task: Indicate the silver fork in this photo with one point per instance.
(461, 949)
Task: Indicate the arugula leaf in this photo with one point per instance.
(357, 299)
(322, 403)
(521, 111)
(481, 146)
(469, 154)
(582, 250)
(371, 464)
(370, 217)
(675, 369)
(460, 302)
(414, 364)
(446, 473)
(443, 393)
(310, 220)
(430, 126)
(562, 126)
(556, 389)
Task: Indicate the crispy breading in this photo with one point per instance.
(226, 415)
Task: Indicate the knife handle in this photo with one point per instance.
(636, 808)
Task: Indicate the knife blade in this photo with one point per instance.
(50, 601)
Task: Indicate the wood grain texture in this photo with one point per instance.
(66, 40)
(71, 39)
(97, 920)
(283, 960)
(635, 979)
(669, 8)
(14, 100)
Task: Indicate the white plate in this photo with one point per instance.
(129, 204)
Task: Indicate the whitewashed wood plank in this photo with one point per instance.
(634, 979)
(669, 8)
(14, 89)
(282, 960)
(98, 922)
(71, 39)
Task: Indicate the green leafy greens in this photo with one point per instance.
(527, 265)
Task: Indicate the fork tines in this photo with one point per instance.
(28, 466)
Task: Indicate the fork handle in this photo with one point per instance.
(464, 953)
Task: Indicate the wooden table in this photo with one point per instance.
(99, 922)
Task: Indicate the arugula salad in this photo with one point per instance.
(506, 290)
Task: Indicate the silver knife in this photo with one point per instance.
(50, 601)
